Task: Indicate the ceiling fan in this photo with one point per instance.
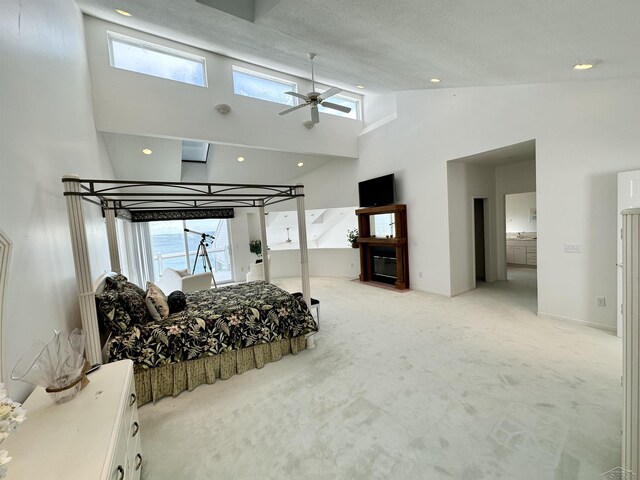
(314, 99)
(288, 240)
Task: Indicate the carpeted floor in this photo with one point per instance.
(406, 386)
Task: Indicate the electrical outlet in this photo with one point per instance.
(419, 274)
(601, 301)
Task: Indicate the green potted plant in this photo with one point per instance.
(255, 246)
(352, 237)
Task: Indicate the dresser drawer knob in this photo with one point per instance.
(133, 399)
(139, 459)
(121, 472)
(136, 429)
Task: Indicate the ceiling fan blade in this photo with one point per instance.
(335, 106)
(289, 110)
(330, 93)
(315, 118)
(298, 95)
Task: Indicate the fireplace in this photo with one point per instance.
(384, 258)
(383, 265)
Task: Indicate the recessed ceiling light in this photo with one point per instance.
(360, 86)
(124, 13)
(300, 164)
(241, 159)
(434, 80)
(583, 66)
(147, 151)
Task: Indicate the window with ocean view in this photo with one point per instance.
(172, 247)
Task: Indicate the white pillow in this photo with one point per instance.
(156, 302)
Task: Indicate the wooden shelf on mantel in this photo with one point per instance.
(382, 241)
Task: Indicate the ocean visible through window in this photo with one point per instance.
(172, 247)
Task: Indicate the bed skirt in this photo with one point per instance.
(155, 383)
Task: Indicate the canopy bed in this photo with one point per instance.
(219, 332)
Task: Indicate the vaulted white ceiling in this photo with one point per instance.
(390, 45)
(165, 162)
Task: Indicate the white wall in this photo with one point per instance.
(585, 132)
(323, 262)
(466, 182)
(336, 236)
(136, 104)
(334, 185)
(331, 186)
(240, 238)
(378, 110)
(518, 212)
(46, 131)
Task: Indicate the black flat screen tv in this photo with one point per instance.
(377, 191)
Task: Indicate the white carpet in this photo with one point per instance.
(406, 386)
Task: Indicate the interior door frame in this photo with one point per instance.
(621, 204)
(5, 257)
(488, 239)
(504, 224)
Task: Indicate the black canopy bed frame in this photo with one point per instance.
(140, 201)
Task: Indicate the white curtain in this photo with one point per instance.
(138, 252)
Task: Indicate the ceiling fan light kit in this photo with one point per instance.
(315, 99)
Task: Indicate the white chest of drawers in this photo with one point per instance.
(94, 436)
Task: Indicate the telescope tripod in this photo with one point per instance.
(202, 252)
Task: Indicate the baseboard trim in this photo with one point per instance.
(432, 292)
(465, 290)
(584, 323)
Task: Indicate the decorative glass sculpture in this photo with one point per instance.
(58, 366)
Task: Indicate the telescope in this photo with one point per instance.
(202, 253)
(203, 235)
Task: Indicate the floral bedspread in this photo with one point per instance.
(215, 321)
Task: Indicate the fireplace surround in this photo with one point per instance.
(384, 259)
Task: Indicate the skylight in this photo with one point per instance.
(150, 59)
(194, 151)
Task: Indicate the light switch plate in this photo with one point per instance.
(572, 248)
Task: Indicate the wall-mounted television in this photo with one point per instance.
(377, 191)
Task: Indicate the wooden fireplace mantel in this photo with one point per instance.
(368, 244)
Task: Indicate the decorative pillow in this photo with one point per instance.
(119, 282)
(135, 288)
(134, 304)
(156, 302)
(177, 301)
(111, 312)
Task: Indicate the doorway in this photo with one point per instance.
(521, 251)
(479, 239)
